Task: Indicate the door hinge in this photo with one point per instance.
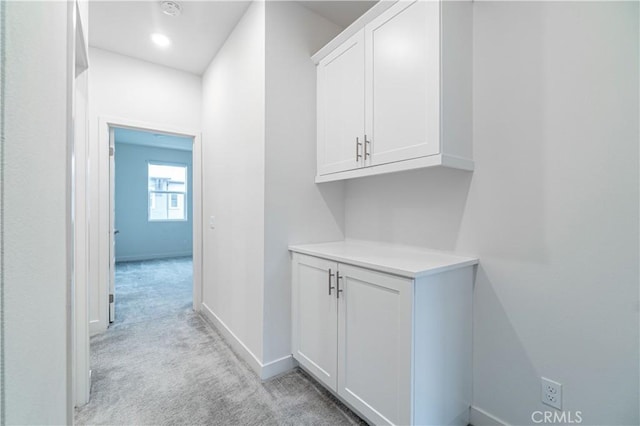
(111, 151)
(111, 298)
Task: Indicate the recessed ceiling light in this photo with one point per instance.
(171, 8)
(160, 39)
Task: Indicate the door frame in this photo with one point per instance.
(105, 123)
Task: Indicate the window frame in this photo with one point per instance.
(169, 193)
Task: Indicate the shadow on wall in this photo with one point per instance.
(333, 195)
(421, 207)
(500, 343)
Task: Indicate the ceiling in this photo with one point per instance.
(156, 140)
(340, 12)
(125, 27)
(197, 34)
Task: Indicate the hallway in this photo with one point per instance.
(161, 363)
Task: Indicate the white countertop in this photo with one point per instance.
(411, 262)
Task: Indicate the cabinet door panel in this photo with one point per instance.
(374, 344)
(403, 95)
(315, 318)
(341, 107)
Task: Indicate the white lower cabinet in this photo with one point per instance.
(316, 318)
(395, 349)
(374, 344)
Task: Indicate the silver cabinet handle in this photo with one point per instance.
(358, 145)
(330, 286)
(338, 278)
(367, 144)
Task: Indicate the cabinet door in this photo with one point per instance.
(341, 107)
(315, 316)
(403, 78)
(374, 344)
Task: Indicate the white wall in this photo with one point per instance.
(123, 87)
(259, 166)
(36, 204)
(296, 209)
(551, 209)
(233, 182)
(81, 368)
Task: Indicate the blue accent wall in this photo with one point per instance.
(138, 238)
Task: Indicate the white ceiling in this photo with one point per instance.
(125, 27)
(340, 12)
(156, 140)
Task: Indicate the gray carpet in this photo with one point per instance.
(160, 363)
(153, 289)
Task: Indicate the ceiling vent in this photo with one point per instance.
(171, 8)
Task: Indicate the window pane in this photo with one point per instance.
(158, 206)
(176, 211)
(167, 178)
(167, 188)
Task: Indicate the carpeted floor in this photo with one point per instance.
(160, 363)
(153, 289)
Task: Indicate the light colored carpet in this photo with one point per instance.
(160, 363)
(153, 289)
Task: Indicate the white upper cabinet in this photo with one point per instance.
(402, 89)
(341, 107)
(394, 91)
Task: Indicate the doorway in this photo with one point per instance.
(101, 226)
(105, 227)
(152, 222)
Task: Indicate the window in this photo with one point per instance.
(167, 192)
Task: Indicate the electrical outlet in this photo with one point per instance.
(551, 393)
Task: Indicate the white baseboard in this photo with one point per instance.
(137, 258)
(95, 327)
(479, 417)
(264, 371)
(277, 367)
(236, 344)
